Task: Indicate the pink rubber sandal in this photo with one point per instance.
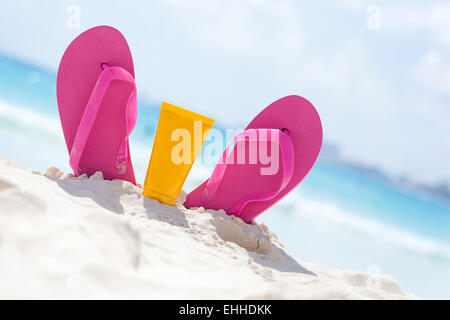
(96, 94)
(291, 128)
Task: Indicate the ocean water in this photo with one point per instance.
(338, 217)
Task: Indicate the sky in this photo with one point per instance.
(377, 71)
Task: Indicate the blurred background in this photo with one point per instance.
(378, 199)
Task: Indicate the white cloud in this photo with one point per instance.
(433, 71)
(250, 27)
(379, 93)
(427, 17)
(351, 4)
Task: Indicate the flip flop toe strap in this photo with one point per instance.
(90, 113)
(256, 135)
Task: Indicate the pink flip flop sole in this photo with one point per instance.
(241, 189)
(97, 104)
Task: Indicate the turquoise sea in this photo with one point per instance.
(339, 216)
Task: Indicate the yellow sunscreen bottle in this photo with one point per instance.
(179, 138)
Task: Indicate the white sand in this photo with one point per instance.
(88, 238)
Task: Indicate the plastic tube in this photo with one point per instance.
(179, 138)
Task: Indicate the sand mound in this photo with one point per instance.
(65, 237)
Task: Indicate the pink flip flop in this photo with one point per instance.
(291, 128)
(97, 103)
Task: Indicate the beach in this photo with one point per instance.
(63, 237)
